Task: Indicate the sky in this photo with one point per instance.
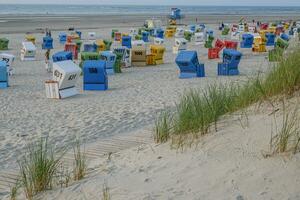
(162, 2)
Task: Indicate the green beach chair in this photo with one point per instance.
(88, 56)
(138, 37)
(78, 44)
(208, 42)
(118, 63)
(107, 44)
(4, 44)
(188, 35)
(281, 43)
(225, 31)
(113, 33)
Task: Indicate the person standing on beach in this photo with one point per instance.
(47, 53)
(47, 58)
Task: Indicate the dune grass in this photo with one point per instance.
(199, 110)
(288, 135)
(38, 167)
(105, 192)
(14, 191)
(79, 162)
(162, 128)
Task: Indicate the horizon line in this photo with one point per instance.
(171, 5)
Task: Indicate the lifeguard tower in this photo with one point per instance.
(176, 14)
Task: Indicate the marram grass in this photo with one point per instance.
(199, 110)
(80, 165)
(287, 138)
(38, 168)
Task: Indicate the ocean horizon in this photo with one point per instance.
(44, 9)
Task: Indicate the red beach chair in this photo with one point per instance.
(213, 53)
(219, 44)
(72, 48)
(231, 44)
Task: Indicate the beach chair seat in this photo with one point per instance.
(110, 59)
(94, 75)
(9, 60)
(189, 66)
(65, 76)
(3, 75)
(230, 63)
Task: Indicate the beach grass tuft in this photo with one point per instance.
(162, 129)
(80, 166)
(288, 135)
(38, 167)
(14, 191)
(199, 110)
(106, 192)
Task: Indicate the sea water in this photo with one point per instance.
(6, 9)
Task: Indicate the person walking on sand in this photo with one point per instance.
(47, 58)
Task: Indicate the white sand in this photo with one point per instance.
(228, 164)
(132, 102)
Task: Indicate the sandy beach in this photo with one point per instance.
(131, 105)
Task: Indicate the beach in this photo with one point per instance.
(131, 105)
